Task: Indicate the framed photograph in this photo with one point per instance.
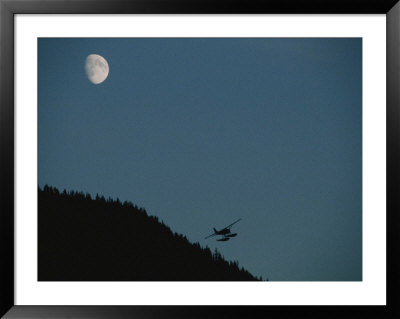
(166, 159)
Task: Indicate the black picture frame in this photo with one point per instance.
(8, 8)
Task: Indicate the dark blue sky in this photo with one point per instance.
(201, 132)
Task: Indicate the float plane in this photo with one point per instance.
(224, 232)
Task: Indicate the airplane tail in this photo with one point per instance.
(215, 231)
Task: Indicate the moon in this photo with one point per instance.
(96, 68)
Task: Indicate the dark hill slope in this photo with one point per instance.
(84, 239)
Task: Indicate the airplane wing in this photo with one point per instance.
(229, 226)
(210, 235)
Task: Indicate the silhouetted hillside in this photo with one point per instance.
(85, 239)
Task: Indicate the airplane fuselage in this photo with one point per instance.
(222, 231)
